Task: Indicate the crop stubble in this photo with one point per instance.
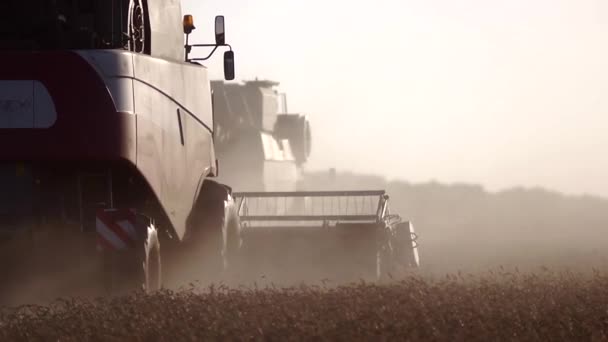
(505, 306)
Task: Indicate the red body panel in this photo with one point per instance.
(88, 126)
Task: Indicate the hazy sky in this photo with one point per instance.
(497, 92)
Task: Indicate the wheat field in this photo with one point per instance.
(497, 306)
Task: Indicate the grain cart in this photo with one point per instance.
(340, 235)
(107, 152)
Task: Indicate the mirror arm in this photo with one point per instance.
(215, 47)
(187, 47)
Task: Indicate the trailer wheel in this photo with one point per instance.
(152, 267)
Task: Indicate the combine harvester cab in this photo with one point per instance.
(106, 125)
(261, 145)
(335, 235)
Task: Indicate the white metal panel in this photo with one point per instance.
(26, 104)
(110, 63)
(186, 84)
(121, 90)
(277, 150)
(45, 113)
(116, 69)
(287, 152)
(166, 29)
(158, 109)
(155, 152)
(268, 143)
(16, 104)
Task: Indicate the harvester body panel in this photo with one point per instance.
(100, 113)
(65, 99)
(107, 106)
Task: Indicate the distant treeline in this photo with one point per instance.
(462, 226)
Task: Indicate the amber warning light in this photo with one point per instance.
(188, 24)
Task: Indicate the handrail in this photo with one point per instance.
(309, 218)
(309, 194)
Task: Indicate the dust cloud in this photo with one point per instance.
(463, 227)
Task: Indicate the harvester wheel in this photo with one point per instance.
(152, 261)
(138, 40)
(231, 233)
(385, 263)
(214, 231)
(137, 268)
(405, 241)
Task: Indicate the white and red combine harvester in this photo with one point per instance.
(291, 235)
(106, 128)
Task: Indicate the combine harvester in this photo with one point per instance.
(108, 155)
(106, 128)
(290, 234)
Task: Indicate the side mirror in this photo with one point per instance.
(229, 65)
(220, 31)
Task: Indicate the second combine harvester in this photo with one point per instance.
(288, 233)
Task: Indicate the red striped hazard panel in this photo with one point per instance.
(116, 229)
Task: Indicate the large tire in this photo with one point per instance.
(213, 231)
(385, 266)
(404, 240)
(136, 269)
(152, 266)
(231, 233)
(138, 27)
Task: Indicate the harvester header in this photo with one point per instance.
(348, 235)
(326, 206)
